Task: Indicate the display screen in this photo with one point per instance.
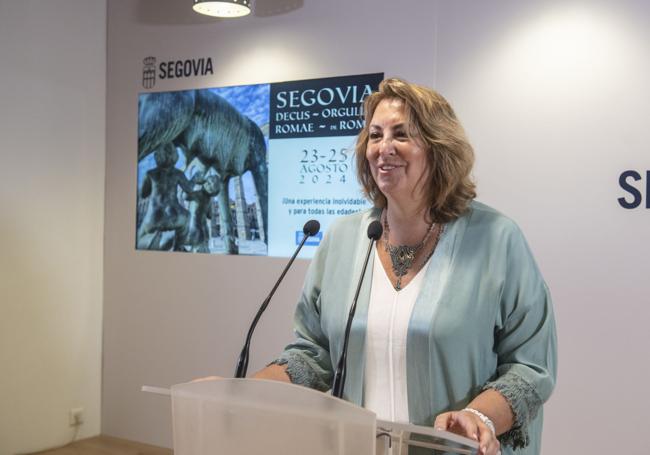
(239, 170)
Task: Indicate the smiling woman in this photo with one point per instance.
(455, 326)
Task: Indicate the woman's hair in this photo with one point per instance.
(449, 187)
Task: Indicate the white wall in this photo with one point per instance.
(52, 124)
(553, 96)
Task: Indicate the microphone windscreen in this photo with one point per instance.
(311, 228)
(375, 230)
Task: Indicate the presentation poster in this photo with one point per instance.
(239, 170)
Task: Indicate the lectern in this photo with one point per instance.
(252, 416)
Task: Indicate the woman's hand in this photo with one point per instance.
(467, 424)
(274, 373)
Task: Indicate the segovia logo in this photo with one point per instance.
(174, 69)
(149, 72)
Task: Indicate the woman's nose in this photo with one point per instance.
(386, 146)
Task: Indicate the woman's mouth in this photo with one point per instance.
(388, 167)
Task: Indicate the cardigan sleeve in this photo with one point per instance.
(525, 340)
(307, 357)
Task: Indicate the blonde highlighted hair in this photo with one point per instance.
(449, 186)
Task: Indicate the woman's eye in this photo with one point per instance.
(374, 135)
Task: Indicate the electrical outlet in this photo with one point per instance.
(76, 417)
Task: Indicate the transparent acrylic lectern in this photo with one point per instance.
(250, 416)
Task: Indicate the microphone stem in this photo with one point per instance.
(341, 369)
(242, 363)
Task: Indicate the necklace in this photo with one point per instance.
(403, 256)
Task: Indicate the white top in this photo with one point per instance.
(388, 319)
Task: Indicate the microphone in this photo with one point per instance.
(310, 229)
(374, 233)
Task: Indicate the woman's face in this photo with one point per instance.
(397, 162)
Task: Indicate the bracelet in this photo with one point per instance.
(485, 419)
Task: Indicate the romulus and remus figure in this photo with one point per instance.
(198, 232)
(164, 214)
(207, 129)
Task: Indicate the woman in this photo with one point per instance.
(454, 326)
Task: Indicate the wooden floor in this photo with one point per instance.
(106, 445)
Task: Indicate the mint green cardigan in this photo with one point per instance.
(483, 319)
